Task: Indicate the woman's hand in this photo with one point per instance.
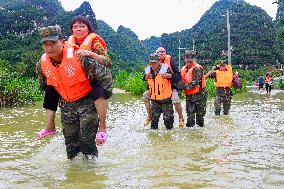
(148, 76)
(167, 76)
(82, 53)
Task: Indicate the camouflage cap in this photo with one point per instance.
(50, 33)
(189, 54)
(154, 57)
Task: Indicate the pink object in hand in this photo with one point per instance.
(101, 138)
(44, 133)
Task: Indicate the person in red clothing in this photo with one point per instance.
(268, 83)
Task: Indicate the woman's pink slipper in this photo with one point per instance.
(101, 138)
(44, 133)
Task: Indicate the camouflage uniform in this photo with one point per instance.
(165, 107)
(98, 72)
(79, 119)
(80, 124)
(223, 95)
(196, 103)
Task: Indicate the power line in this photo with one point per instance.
(179, 48)
(229, 37)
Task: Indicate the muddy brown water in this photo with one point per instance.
(242, 150)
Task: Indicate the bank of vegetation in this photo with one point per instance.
(17, 90)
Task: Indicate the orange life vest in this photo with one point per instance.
(224, 78)
(69, 78)
(267, 79)
(159, 87)
(167, 61)
(187, 76)
(88, 41)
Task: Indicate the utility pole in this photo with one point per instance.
(179, 48)
(229, 37)
(193, 45)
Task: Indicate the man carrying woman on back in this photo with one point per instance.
(89, 47)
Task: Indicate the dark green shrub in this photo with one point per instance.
(18, 91)
(280, 84)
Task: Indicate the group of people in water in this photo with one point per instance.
(267, 82)
(75, 76)
(164, 81)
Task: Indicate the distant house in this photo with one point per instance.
(279, 67)
(246, 66)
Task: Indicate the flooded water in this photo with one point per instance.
(242, 150)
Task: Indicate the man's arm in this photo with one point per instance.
(147, 74)
(176, 73)
(89, 64)
(41, 77)
(196, 79)
(211, 74)
(51, 98)
(168, 74)
(50, 123)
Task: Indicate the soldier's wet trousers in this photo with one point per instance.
(80, 125)
(195, 110)
(267, 88)
(225, 98)
(165, 107)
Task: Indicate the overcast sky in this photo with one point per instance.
(154, 17)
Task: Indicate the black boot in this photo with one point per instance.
(72, 152)
(200, 122)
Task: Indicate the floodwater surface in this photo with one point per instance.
(242, 150)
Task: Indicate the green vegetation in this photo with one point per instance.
(18, 90)
(132, 83)
(280, 84)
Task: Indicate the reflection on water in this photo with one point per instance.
(242, 150)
